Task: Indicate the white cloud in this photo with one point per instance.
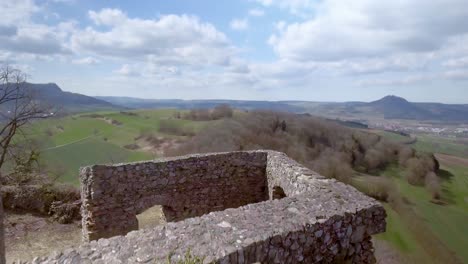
(16, 11)
(107, 16)
(461, 74)
(86, 61)
(363, 28)
(20, 35)
(127, 70)
(395, 63)
(297, 7)
(456, 63)
(36, 39)
(256, 12)
(239, 24)
(63, 1)
(171, 39)
(412, 79)
(280, 25)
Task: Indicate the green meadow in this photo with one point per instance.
(70, 142)
(441, 145)
(423, 231)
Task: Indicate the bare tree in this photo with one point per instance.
(221, 111)
(17, 108)
(2, 240)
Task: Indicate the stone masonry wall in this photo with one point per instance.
(186, 187)
(310, 219)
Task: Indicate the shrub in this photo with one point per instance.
(404, 155)
(417, 168)
(37, 199)
(198, 115)
(380, 188)
(202, 114)
(116, 122)
(177, 115)
(128, 113)
(65, 212)
(333, 165)
(132, 146)
(432, 184)
(49, 132)
(416, 171)
(221, 111)
(172, 128)
(187, 259)
(92, 115)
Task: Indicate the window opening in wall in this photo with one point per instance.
(151, 217)
(278, 193)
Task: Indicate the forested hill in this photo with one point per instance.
(52, 95)
(389, 107)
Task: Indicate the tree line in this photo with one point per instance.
(322, 145)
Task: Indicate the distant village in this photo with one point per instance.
(445, 130)
(408, 127)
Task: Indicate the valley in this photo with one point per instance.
(418, 229)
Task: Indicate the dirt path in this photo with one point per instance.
(28, 236)
(158, 145)
(70, 143)
(452, 160)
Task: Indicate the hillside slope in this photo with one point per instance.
(52, 95)
(393, 107)
(389, 107)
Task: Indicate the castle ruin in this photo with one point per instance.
(235, 207)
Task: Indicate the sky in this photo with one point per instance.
(315, 50)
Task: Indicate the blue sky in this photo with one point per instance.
(322, 50)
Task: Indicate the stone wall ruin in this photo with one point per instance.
(185, 187)
(236, 207)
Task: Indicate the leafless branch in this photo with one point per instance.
(18, 107)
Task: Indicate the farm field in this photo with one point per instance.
(68, 143)
(441, 145)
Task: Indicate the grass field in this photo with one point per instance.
(423, 230)
(94, 138)
(393, 136)
(441, 145)
(432, 227)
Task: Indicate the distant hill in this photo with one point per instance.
(389, 107)
(139, 103)
(393, 107)
(50, 94)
